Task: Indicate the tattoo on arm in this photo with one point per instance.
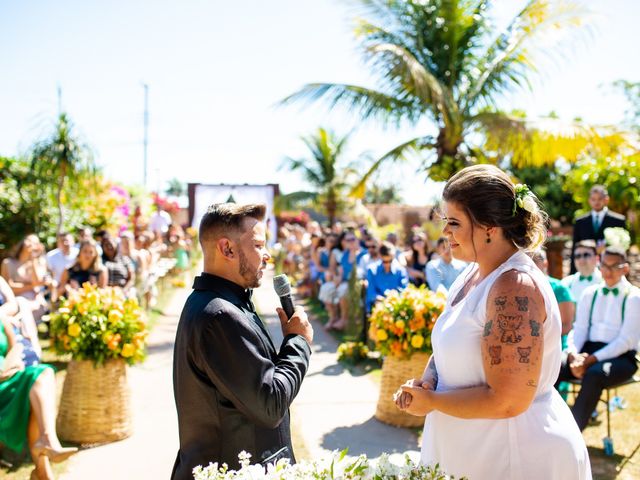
(500, 303)
(523, 303)
(487, 328)
(535, 328)
(495, 352)
(524, 354)
(509, 325)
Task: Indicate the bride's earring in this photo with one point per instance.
(488, 238)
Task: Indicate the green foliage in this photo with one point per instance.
(25, 204)
(548, 185)
(631, 91)
(65, 160)
(621, 176)
(384, 194)
(355, 303)
(325, 171)
(441, 60)
(176, 188)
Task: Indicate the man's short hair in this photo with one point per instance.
(227, 219)
(62, 234)
(387, 249)
(589, 244)
(601, 189)
(617, 251)
(441, 241)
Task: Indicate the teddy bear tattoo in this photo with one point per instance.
(509, 324)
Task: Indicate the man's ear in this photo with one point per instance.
(225, 247)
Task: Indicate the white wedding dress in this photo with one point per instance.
(544, 442)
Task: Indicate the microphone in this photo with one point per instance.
(283, 289)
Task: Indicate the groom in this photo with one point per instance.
(232, 387)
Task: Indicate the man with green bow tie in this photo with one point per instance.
(606, 335)
(586, 260)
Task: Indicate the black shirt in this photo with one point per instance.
(232, 387)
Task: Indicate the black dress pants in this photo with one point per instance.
(598, 376)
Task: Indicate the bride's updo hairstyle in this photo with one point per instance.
(490, 198)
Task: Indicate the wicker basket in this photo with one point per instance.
(395, 372)
(95, 404)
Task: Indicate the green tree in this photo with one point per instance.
(63, 158)
(440, 60)
(324, 170)
(380, 193)
(548, 185)
(176, 188)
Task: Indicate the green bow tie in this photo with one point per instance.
(613, 290)
(588, 278)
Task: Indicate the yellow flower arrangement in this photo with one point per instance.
(401, 323)
(352, 352)
(99, 324)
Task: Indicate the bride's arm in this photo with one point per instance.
(430, 374)
(512, 348)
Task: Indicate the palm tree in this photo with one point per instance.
(440, 60)
(62, 157)
(176, 188)
(324, 170)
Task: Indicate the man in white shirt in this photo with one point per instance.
(586, 259)
(160, 221)
(606, 334)
(443, 271)
(63, 257)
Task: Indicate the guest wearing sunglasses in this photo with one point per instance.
(368, 259)
(387, 275)
(416, 259)
(606, 334)
(586, 259)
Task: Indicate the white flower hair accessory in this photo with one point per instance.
(524, 199)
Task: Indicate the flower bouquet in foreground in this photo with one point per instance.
(99, 324)
(401, 325)
(103, 331)
(333, 467)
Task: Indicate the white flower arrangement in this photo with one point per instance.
(337, 466)
(617, 237)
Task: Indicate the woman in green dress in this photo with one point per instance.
(27, 400)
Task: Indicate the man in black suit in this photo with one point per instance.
(591, 225)
(232, 387)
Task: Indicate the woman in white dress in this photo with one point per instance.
(492, 411)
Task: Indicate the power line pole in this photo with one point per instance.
(146, 130)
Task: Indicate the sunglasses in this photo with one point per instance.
(612, 268)
(350, 239)
(578, 256)
(371, 247)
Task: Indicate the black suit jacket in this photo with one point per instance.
(583, 229)
(232, 387)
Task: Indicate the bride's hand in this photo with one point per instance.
(418, 394)
(403, 399)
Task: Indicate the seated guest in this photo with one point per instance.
(119, 268)
(26, 273)
(387, 275)
(334, 293)
(370, 258)
(85, 233)
(442, 272)
(62, 257)
(416, 259)
(88, 268)
(586, 260)
(606, 334)
(27, 397)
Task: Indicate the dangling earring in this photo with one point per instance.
(488, 238)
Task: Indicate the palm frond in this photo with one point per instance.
(542, 141)
(399, 153)
(508, 60)
(366, 102)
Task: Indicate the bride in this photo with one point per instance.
(492, 411)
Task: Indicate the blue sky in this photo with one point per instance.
(215, 69)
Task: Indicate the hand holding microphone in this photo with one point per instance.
(294, 320)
